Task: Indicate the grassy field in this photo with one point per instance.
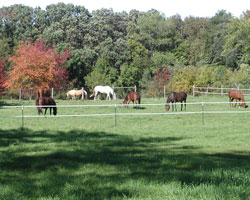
(139, 157)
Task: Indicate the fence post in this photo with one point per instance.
(22, 118)
(207, 90)
(82, 93)
(221, 91)
(193, 90)
(115, 116)
(135, 88)
(52, 93)
(20, 94)
(164, 92)
(202, 112)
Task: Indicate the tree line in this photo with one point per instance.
(104, 47)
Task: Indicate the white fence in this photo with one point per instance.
(201, 111)
(217, 91)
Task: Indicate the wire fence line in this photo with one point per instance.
(122, 105)
(115, 113)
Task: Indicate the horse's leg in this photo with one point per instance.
(45, 110)
(181, 105)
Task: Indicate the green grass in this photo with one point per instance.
(143, 157)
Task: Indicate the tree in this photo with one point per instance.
(2, 74)
(36, 66)
(162, 77)
(237, 45)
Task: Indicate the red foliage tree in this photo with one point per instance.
(162, 77)
(36, 66)
(2, 74)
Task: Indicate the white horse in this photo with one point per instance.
(104, 89)
(75, 93)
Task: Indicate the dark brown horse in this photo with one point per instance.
(132, 96)
(237, 95)
(43, 92)
(176, 97)
(45, 103)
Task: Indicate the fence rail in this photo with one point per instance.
(222, 90)
(114, 113)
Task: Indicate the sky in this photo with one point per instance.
(185, 8)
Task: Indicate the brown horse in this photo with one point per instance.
(132, 96)
(237, 95)
(43, 92)
(45, 103)
(176, 97)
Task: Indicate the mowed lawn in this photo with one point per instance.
(184, 156)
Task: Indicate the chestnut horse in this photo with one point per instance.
(132, 96)
(45, 103)
(176, 97)
(237, 95)
(43, 92)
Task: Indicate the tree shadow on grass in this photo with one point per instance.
(3, 103)
(90, 165)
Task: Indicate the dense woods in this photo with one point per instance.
(145, 49)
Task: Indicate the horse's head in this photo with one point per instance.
(54, 110)
(167, 107)
(125, 102)
(67, 94)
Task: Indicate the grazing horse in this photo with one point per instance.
(176, 97)
(45, 103)
(104, 89)
(237, 95)
(43, 92)
(74, 93)
(132, 96)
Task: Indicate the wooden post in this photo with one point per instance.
(221, 91)
(20, 94)
(202, 113)
(52, 93)
(207, 90)
(82, 93)
(135, 88)
(193, 90)
(22, 127)
(164, 91)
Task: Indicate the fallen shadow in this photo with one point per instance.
(153, 159)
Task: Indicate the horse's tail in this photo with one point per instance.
(139, 98)
(85, 94)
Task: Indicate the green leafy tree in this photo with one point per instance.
(215, 38)
(237, 45)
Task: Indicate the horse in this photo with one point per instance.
(237, 95)
(43, 92)
(104, 89)
(132, 96)
(74, 93)
(45, 103)
(176, 97)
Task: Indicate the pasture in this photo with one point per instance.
(141, 157)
